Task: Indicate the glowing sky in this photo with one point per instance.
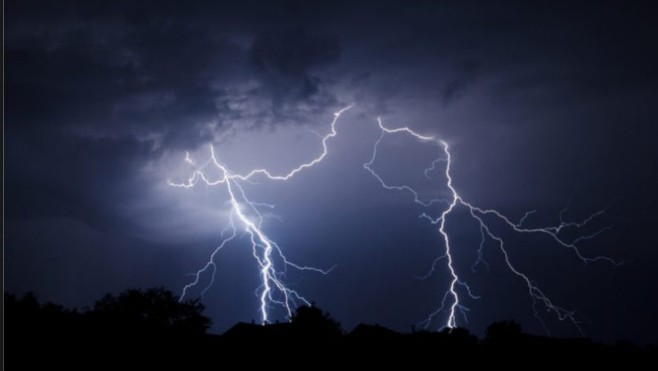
(541, 104)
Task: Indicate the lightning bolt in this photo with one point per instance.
(245, 215)
(451, 298)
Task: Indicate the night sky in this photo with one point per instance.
(544, 104)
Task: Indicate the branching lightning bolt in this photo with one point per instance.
(451, 299)
(246, 214)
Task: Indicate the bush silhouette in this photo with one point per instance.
(154, 310)
(154, 327)
(311, 320)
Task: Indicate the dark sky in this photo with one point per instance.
(541, 102)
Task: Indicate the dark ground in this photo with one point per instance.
(151, 328)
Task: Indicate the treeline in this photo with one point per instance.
(152, 311)
(152, 326)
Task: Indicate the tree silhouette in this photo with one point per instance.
(155, 310)
(311, 320)
(153, 326)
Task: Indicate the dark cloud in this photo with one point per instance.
(68, 176)
(285, 60)
(466, 72)
(137, 72)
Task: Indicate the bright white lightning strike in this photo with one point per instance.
(267, 253)
(245, 215)
(451, 298)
